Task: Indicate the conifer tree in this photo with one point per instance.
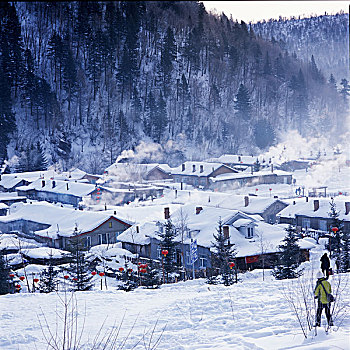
(242, 103)
(128, 278)
(4, 276)
(224, 254)
(168, 243)
(344, 259)
(78, 269)
(151, 278)
(288, 257)
(48, 278)
(40, 159)
(335, 240)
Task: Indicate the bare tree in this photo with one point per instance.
(182, 229)
(264, 246)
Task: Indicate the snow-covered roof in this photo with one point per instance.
(301, 207)
(206, 167)
(9, 196)
(63, 187)
(12, 241)
(236, 159)
(125, 168)
(45, 253)
(242, 222)
(3, 206)
(248, 174)
(62, 221)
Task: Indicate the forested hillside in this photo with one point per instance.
(324, 37)
(82, 81)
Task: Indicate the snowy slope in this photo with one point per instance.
(252, 314)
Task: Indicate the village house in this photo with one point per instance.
(238, 162)
(54, 191)
(246, 178)
(313, 214)
(9, 198)
(199, 174)
(55, 226)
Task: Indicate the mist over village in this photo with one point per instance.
(174, 176)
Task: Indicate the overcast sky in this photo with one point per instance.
(258, 10)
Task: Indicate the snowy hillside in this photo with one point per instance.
(192, 315)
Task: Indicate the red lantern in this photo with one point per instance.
(65, 277)
(22, 278)
(340, 193)
(36, 280)
(121, 269)
(140, 263)
(18, 286)
(270, 189)
(256, 189)
(93, 273)
(143, 270)
(97, 188)
(75, 279)
(165, 252)
(335, 229)
(11, 275)
(98, 198)
(145, 266)
(130, 270)
(231, 264)
(101, 274)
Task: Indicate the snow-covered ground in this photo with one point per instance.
(191, 315)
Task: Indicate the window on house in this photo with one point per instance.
(102, 238)
(249, 232)
(110, 224)
(88, 242)
(117, 234)
(188, 258)
(305, 223)
(202, 262)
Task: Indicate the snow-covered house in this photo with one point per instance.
(246, 178)
(313, 214)
(53, 190)
(3, 209)
(55, 225)
(236, 161)
(9, 198)
(200, 174)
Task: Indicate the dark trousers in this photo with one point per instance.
(327, 309)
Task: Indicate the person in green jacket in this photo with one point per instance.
(323, 303)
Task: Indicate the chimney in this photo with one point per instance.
(137, 229)
(166, 213)
(193, 168)
(0, 177)
(246, 201)
(226, 232)
(239, 158)
(42, 183)
(198, 210)
(183, 167)
(316, 204)
(293, 202)
(271, 168)
(347, 208)
(115, 213)
(307, 199)
(53, 184)
(201, 168)
(67, 186)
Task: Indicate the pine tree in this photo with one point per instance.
(168, 56)
(288, 257)
(40, 162)
(78, 269)
(161, 121)
(168, 243)
(335, 240)
(344, 259)
(128, 278)
(224, 254)
(4, 276)
(242, 103)
(151, 278)
(48, 278)
(264, 133)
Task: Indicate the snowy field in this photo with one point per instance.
(192, 315)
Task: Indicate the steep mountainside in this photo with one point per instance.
(82, 81)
